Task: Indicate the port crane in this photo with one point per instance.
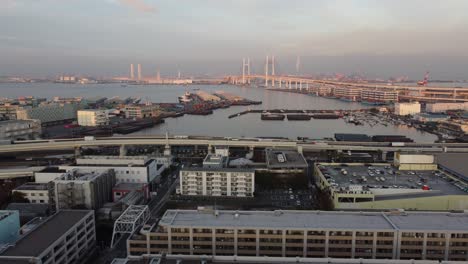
(424, 82)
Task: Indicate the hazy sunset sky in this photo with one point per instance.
(380, 38)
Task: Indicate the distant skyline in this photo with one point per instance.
(102, 37)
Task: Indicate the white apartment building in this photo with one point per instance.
(48, 113)
(20, 129)
(407, 108)
(67, 237)
(93, 117)
(37, 193)
(130, 169)
(217, 182)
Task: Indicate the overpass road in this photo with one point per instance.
(71, 144)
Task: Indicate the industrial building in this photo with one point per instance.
(314, 234)
(384, 186)
(379, 96)
(426, 117)
(20, 129)
(131, 169)
(403, 109)
(9, 227)
(35, 192)
(78, 189)
(217, 182)
(93, 117)
(48, 114)
(67, 237)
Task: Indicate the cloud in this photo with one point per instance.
(139, 5)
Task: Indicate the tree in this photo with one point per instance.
(18, 197)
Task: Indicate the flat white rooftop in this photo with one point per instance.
(321, 220)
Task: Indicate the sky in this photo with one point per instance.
(377, 38)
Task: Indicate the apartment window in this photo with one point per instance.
(33, 194)
(41, 194)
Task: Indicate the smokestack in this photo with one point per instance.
(132, 72)
(139, 71)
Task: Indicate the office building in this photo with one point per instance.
(93, 117)
(20, 129)
(379, 96)
(36, 193)
(403, 109)
(383, 186)
(9, 227)
(49, 114)
(78, 189)
(377, 235)
(217, 182)
(67, 237)
(130, 169)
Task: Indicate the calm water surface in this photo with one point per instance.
(218, 124)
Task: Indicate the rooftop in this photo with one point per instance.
(33, 186)
(38, 240)
(383, 178)
(218, 169)
(455, 163)
(291, 159)
(114, 161)
(316, 220)
(77, 175)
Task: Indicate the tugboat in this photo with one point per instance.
(186, 98)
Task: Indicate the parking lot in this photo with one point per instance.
(288, 198)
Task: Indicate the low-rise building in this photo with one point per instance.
(52, 113)
(20, 129)
(443, 107)
(130, 169)
(215, 161)
(122, 189)
(285, 160)
(403, 109)
(78, 189)
(382, 186)
(35, 192)
(9, 227)
(313, 234)
(217, 182)
(93, 117)
(68, 236)
(419, 162)
(8, 111)
(141, 111)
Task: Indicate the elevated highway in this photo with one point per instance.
(71, 144)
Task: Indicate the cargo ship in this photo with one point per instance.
(268, 116)
(298, 117)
